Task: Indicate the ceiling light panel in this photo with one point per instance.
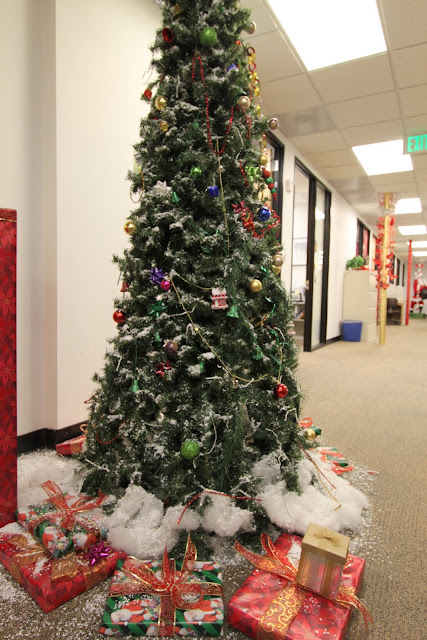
(419, 253)
(332, 31)
(419, 244)
(408, 205)
(383, 157)
(413, 230)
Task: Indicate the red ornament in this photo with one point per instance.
(281, 390)
(125, 287)
(239, 44)
(119, 317)
(147, 94)
(165, 285)
(168, 35)
(265, 174)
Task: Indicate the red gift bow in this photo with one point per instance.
(277, 563)
(173, 587)
(57, 498)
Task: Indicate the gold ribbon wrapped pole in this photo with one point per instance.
(285, 605)
(174, 588)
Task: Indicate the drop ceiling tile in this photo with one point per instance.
(415, 126)
(359, 111)
(288, 94)
(421, 175)
(304, 122)
(405, 22)
(264, 20)
(342, 171)
(409, 219)
(413, 100)
(371, 133)
(319, 142)
(282, 65)
(410, 65)
(391, 185)
(331, 158)
(354, 79)
(419, 161)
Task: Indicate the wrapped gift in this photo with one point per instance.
(324, 554)
(335, 459)
(8, 439)
(165, 599)
(69, 447)
(271, 605)
(53, 581)
(60, 523)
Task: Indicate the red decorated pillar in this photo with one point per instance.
(8, 436)
(408, 283)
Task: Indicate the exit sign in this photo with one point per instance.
(415, 144)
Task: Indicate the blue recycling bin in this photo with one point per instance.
(351, 330)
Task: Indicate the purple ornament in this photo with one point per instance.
(213, 192)
(165, 285)
(96, 552)
(156, 275)
(232, 66)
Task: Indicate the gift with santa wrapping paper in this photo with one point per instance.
(271, 604)
(165, 599)
(53, 581)
(64, 522)
(8, 436)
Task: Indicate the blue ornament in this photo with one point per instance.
(232, 66)
(213, 191)
(156, 275)
(264, 213)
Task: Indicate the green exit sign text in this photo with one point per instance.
(415, 144)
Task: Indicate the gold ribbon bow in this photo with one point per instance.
(174, 587)
(286, 604)
(68, 519)
(68, 566)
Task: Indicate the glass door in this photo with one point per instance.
(317, 278)
(299, 251)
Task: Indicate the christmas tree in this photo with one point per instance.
(198, 390)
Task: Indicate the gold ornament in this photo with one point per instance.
(276, 270)
(235, 384)
(263, 159)
(244, 103)
(273, 123)
(177, 9)
(257, 91)
(251, 28)
(258, 109)
(277, 260)
(130, 227)
(160, 103)
(255, 285)
(310, 435)
(164, 126)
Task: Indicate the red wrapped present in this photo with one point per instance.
(271, 605)
(153, 599)
(53, 581)
(61, 522)
(68, 447)
(8, 439)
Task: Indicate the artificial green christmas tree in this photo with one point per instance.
(198, 389)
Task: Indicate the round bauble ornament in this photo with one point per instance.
(273, 124)
(251, 28)
(281, 390)
(119, 316)
(276, 270)
(255, 285)
(265, 174)
(164, 126)
(269, 181)
(264, 214)
(130, 227)
(195, 172)
(160, 103)
(277, 259)
(310, 435)
(168, 35)
(208, 37)
(263, 159)
(147, 94)
(171, 347)
(244, 102)
(165, 285)
(190, 449)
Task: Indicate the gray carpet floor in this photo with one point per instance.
(370, 402)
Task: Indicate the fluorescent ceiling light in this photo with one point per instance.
(328, 32)
(408, 205)
(413, 230)
(419, 244)
(419, 253)
(383, 157)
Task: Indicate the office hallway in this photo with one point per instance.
(370, 403)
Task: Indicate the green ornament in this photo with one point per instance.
(202, 366)
(273, 190)
(135, 386)
(157, 309)
(195, 172)
(196, 124)
(157, 339)
(257, 355)
(317, 431)
(269, 180)
(232, 312)
(208, 37)
(190, 449)
(174, 198)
